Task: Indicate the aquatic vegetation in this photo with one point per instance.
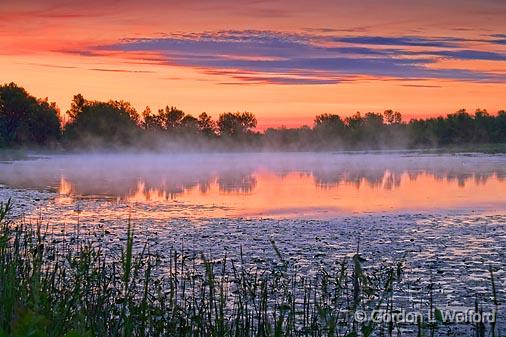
(67, 284)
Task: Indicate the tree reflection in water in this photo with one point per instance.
(158, 178)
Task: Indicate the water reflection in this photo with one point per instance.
(236, 181)
(264, 183)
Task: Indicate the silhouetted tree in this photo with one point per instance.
(76, 106)
(128, 108)
(206, 125)
(236, 124)
(289, 138)
(373, 131)
(355, 121)
(484, 127)
(355, 125)
(328, 124)
(96, 123)
(329, 129)
(501, 126)
(190, 125)
(458, 127)
(2, 113)
(25, 120)
(171, 117)
(373, 120)
(392, 117)
(151, 122)
(420, 133)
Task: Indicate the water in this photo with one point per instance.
(267, 185)
(444, 215)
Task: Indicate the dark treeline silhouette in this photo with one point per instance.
(26, 122)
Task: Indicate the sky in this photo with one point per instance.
(285, 61)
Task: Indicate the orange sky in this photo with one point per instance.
(285, 61)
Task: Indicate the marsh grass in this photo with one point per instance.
(66, 285)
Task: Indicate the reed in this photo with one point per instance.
(65, 284)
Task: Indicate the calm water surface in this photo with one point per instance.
(444, 216)
(267, 185)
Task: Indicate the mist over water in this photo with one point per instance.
(270, 184)
(443, 215)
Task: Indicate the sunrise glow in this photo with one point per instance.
(285, 61)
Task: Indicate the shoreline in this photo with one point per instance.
(10, 154)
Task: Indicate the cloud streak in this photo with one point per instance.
(315, 58)
(413, 41)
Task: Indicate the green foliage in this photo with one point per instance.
(29, 324)
(329, 128)
(392, 117)
(26, 121)
(206, 125)
(171, 117)
(190, 125)
(236, 124)
(388, 131)
(151, 122)
(101, 124)
(173, 124)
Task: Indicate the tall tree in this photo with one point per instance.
(101, 123)
(236, 124)
(150, 121)
(25, 120)
(329, 128)
(171, 117)
(190, 125)
(392, 117)
(206, 125)
(329, 123)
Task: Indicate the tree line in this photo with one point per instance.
(26, 121)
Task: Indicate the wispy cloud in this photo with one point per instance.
(420, 86)
(120, 70)
(314, 58)
(499, 38)
(465, 54)
(46, 65)
(414, 41)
